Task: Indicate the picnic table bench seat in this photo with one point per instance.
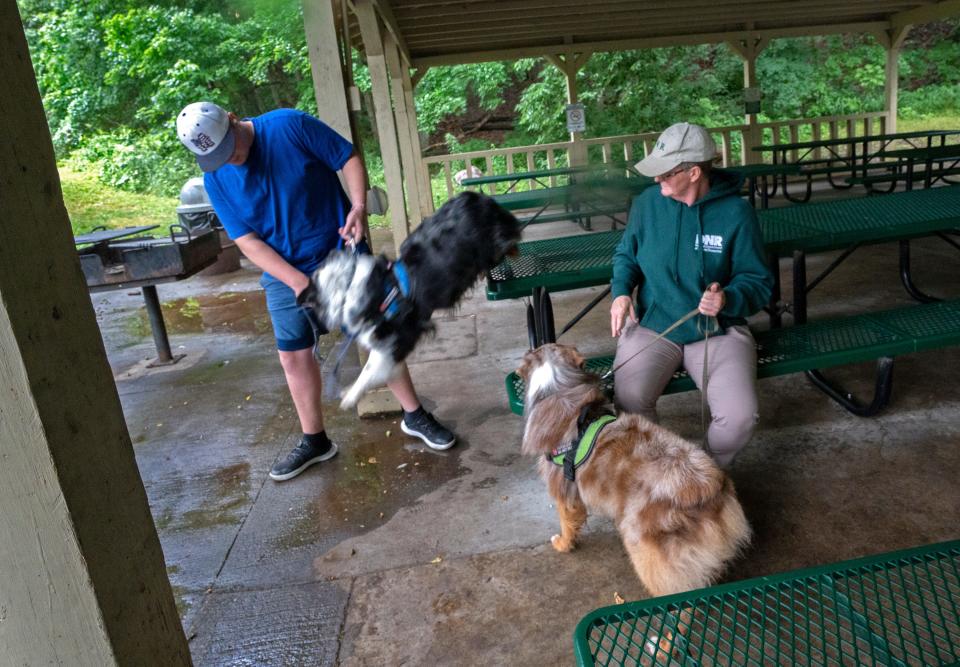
(825, 344)
(898, 608)
(909, 178)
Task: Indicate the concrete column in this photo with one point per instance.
(326, 66)
(396, 68)
(82, 577)
(386, 127)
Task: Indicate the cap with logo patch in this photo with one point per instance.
(683, 142)
(204, 128)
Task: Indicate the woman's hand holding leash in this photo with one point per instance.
(622, 307)
(712, 301)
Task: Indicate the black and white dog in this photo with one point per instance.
(387, 305)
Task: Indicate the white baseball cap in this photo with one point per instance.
(683, 142)
(205, 129)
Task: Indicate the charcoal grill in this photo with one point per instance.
(126, 258)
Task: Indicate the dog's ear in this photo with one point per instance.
(308, 296)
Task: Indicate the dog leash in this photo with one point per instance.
(712, 327)
(347, 342)
(691, 314)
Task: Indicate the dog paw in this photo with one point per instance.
(560, 544)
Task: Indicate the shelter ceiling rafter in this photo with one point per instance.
(446, 32)
(546, 47)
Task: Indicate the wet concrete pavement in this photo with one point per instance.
(393, 554)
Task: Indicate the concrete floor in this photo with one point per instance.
(393, 554)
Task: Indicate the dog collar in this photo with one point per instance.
(572, 455)
(401, 287)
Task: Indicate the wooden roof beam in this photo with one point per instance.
(940, 10)
(510, 53)
(383, 8)
(511, 9)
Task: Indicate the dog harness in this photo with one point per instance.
(573, 454)
(399, 290)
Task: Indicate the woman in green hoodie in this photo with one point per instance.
(691, 243)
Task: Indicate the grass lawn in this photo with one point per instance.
(931, 123)
(91, 204)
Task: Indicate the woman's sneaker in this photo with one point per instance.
(424, 426)
(302, 457)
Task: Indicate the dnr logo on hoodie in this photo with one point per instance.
(711, 243)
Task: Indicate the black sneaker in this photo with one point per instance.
(424, 426)
(302, 457)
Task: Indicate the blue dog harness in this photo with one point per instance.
(398, 292)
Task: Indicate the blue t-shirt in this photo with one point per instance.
(287, 191)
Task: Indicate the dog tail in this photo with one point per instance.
(696, 554)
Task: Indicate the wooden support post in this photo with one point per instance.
(424, 190)
(407, 157)
(82, 572)
(892, 40)
(748, 49)
(326, 67)
(570, 64)
(386, 127)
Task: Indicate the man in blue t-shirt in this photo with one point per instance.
(273, 183)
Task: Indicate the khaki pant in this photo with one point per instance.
(731, 381)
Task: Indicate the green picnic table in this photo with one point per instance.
(845, 155)
(757, 176)
(539, 176)
(909, 157)
(896, 609)
(580, 201)
(573, 262)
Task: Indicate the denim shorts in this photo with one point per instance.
(294, 327)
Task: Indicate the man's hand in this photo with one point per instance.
(712, 301)
(355, 226)
(619, 309)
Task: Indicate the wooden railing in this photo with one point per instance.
(441, 171)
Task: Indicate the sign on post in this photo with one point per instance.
(576, 120)
(751, 100)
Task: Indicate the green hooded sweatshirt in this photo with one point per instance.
(672, 252)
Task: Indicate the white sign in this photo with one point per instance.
(576, 120)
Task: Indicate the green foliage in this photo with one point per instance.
(447, 91)
(113, 74)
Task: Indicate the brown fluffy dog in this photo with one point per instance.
(676, 511)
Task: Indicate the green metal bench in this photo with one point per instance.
(898, 609)
(824, 344)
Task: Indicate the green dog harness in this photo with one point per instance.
(572, 455)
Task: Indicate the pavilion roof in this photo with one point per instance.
(443, 32)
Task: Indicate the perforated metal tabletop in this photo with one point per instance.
(894, 609)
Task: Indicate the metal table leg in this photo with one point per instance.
(883, 386)
(799, 287)
(159, 329)
(907, 279)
